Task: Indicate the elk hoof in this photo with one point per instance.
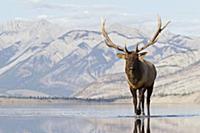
(138, 112)
(143, 113)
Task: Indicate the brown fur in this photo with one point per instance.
(141, 75)
(140, 72)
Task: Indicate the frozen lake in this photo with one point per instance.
(98, 118)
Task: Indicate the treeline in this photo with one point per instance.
(68, 98)
(174, 94)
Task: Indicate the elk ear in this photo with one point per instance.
(142, 54)
(121, 56)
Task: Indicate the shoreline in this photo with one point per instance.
(187, 99)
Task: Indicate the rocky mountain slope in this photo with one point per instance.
(40, 58)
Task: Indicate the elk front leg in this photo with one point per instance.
(149, 92)
(141, 91)
(134, 94)
(141, 101)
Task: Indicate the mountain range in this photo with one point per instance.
(41, 58)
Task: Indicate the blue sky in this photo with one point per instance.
(183, 12)
(10, 9)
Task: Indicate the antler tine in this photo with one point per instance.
(126, 49)
(156, 35)
(166, 25)
(108, 41)
(158, 30)
(136, 49)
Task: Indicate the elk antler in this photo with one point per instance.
(108, 41)
(155, 37)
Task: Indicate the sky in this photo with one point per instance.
(184, 14)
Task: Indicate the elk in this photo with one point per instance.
(141, 74)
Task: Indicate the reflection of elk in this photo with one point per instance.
(140, 73)
(139, 126)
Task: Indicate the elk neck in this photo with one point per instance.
(134, 71)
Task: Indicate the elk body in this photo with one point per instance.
(140, 73)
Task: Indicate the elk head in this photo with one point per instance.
(133, 56)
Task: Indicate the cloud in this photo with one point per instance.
(35, 1)
(43, 16)
(86, 12)
(42, 4)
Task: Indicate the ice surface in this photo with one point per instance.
(101, 118)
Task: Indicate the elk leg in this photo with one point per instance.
(149, 92)
(141, 101)
(134, 94)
